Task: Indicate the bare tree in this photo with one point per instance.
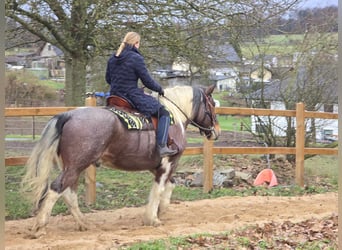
(309, 77)
(83, 29)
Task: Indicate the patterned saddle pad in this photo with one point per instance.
(130, 117)
(132, 121)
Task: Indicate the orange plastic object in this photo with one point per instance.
(266, 175)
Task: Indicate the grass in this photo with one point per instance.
(17, 136)
(117, 189)
(233, 239)
(56, 85)
(16, 207)
(28, 77)
(221, 97)
(322, 166)
(274, 44)
(233, 123)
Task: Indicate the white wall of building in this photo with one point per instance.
(324, 127)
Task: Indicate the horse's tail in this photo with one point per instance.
(43, 158)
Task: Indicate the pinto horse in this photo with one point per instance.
(75, 139)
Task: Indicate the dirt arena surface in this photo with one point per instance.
(115, 228)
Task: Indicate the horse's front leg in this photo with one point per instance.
(166, 197)
(157, 193)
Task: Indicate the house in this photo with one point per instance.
(275, 61)
(180, 64)
(273, 96)
(50, 51)
(51, 58)
(222, 56)
(221, 70)
(14, 61)
(20, 59)
(261, 75)
(46, 62)
(226, 81)
(255, 74)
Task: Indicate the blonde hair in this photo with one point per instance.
(131, 38)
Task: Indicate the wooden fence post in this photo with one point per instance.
(90, 172)
(208, 165)
(300, 142)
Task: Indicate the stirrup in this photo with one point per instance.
(165, 151)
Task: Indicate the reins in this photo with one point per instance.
(191, 121)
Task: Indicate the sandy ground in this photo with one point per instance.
(114, 228)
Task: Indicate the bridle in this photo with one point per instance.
(208, 111)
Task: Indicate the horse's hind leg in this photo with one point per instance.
(44, 212)
(66, 184)
(158, 188)
(70, 198)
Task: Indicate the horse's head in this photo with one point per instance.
(204, 116)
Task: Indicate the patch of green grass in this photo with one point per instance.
(16, 206)
(322, 166)
(194, 140)
(16, 136)
(117, 189)
(240, 238)
(153, 245)
(28, 77)
(274, 44)
(233, 123)
(52, 84)
(190, 161)
(221, 97)
(284, 39)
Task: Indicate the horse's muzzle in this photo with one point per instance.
(214, 133)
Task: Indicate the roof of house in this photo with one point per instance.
(220, 77)
(224, 53)
(57, 51)
(291, 88)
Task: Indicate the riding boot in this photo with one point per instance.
(162, 134)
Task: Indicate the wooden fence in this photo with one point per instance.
(208, 150)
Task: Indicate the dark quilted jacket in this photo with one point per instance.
(123, 73)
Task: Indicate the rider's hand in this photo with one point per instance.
(161, 92)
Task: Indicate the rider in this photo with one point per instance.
(124, 69)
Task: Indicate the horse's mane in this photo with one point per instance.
(182, 96)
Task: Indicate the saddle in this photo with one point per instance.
(123, 104)
(127, 106)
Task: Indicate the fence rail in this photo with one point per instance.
(208, 150)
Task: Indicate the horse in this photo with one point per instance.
(72, 141)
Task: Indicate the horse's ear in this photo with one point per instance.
(210, 89)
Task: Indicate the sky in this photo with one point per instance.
(318, 3)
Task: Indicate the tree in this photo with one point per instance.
(311, 78)
(84, 29)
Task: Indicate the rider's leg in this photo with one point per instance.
(162, 133)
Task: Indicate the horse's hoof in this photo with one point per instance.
(82, 227)
(163, 210)
(37, 232)
(155, 222)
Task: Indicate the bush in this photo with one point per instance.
(24, 89)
